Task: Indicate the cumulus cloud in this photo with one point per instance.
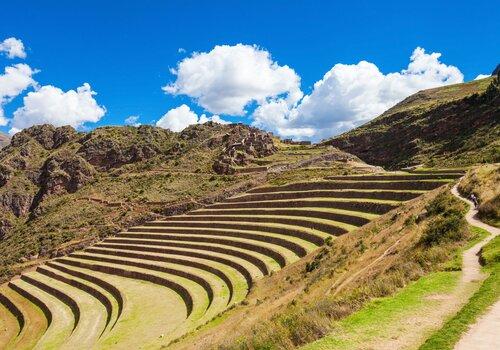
(50, 104)
(181, 117)
(482, 76)
(13, 82)
(215, 118)
(229, 78)
(132, 120)
(349, 95)
(13, 48)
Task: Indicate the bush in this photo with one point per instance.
(447, 221)
(444, 229)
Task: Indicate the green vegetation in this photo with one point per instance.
(379, 317)
(309, 318)
(448, 224)
(483, 182)
(207, 262)
(488, 293)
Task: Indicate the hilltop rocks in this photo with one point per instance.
(108, 148)
(107, 154)
(240, 146)
(48, 136)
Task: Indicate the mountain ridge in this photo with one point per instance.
(455, 125)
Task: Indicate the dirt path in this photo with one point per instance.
(484, 333)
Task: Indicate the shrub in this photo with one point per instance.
(444, 229)
(447, 221)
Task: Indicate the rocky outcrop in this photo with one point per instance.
(5, 174)
(240, 146)
(64, 173)
(17, 203)
(108, 148)
(48, 136)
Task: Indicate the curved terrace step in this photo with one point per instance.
(306, 217)
(249, 256)
(93, 280)
(244, 228)
(395, 195)
(163, 310)
(14, 311)
(34, 323)
(11, 322)
(392, 177)
(366, 185)
(176, 261)
(360, 205)
(56, 293)
(335, 215)
(113, 270)
(89, 313)
(90, 290)
(201, 287)
(60, 318)
(176, 241)
(168, 253)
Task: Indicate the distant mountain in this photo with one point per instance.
(453, 125)
(4, 140)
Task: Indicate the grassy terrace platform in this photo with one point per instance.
(153, 283)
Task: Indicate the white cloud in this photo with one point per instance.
(181, 117)
(132, 120)
(482, 76)
(181, 50)
(349, 95)
(50, 104)
(13, 48)
(178, 118)
(14, 81)
(228, 78)
(215, 118)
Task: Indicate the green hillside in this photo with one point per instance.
(449, 126)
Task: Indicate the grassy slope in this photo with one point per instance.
(448, 126)
(483, 182)
(383, 318)
(488, 293)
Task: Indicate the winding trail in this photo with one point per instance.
(484, 334)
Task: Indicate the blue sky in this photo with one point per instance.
(125, 50)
